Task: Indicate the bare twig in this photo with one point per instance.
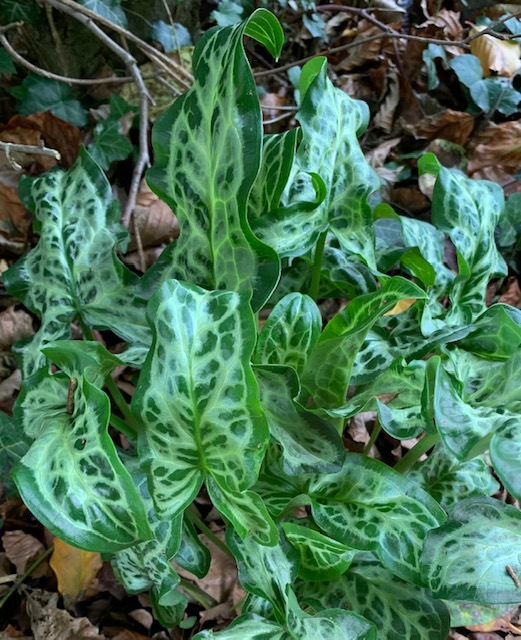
(143, 161)
(387, 32)
(10, 147)
(54, 76)
(183, 77)
(283, 116)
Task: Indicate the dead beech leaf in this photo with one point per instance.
(454, 126)
(14, 326)
(154, 219)
(53, 132)
(498, 147)
(15, 220)
(367, 52)
(401, 306)
(512, 295)
(50, 623)
(21, 548)
(75, 570)
(498, 56)
(385, 116)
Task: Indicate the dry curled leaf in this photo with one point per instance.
(454, 126)
(21, 548)
(15, 220)
(15, 325)
(50, 623)
(75, 570)
(497, 147)
(512, 294)
(153, 219)
(500, 57)
(366, 52)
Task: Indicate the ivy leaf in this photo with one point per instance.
(147, 566)
(110, 9)
(171, 36)
(290, 332)
(321, 557)
(109, 144)
(469, 557)
(491, 94)
(19, 11)
(198, 397)
(328, 369)
(309, 442)
(207, 179)
(399, 610)
(73, 272)
(6, 63)
(36, 94)
(71, 478)
(449, 480)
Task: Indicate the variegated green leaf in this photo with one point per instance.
(14, 444)
(449, 480)
(73, 272)
(385, 513)
(267, 572)
(247, 627)
(476, 555)
(278, 152)
(192, 554)
(331, 123)
(468, 211)
(321, 557)
(71, 478)
(327, 372)
(344, 275)
(198, 397)
(82, 358)
(207, 156)
(399, 610)
(309, 442)
(497, 333)
(146, 566)
(477, 406)
(247, 513)
(290, 332)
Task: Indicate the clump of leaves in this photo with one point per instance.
(254, 416)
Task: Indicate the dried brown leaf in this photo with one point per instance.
(15, 220)
(512, 295)
(76, 571)
(500, 57)
(366, 52)
(385, 116)
(154, 219)
(454, 126)
(21, 548)
(15, 325)
(497, 147)
(50, 623)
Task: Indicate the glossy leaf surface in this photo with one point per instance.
(198, 397)
(206, 179)
(398, 609)
(327, 372)
(290, 332)
(73, 271)
(71, 478)
(309, 442)
(467, 558)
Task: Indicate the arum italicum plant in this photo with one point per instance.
(256, 418)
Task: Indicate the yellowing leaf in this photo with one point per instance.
(498, 56)
(401, 306)
(75, 569)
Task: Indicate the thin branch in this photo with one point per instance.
(10, 147)
(491, 28)
(283, 116)
(177, 71)
(128, 59)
